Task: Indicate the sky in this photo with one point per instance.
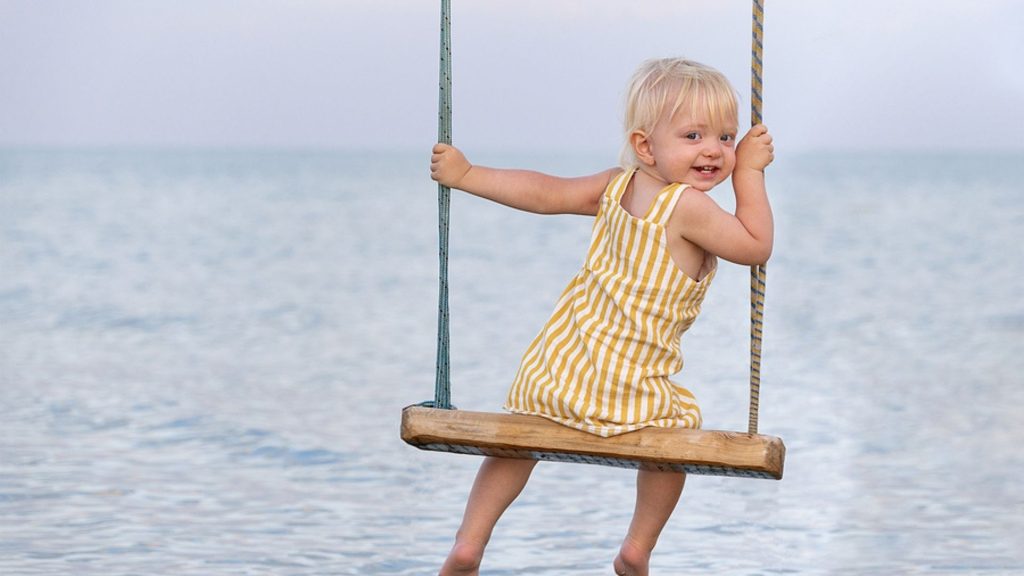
(543, 75)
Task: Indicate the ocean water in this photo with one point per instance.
(204, 356)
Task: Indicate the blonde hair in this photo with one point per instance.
(679, 82)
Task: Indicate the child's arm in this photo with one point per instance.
(522, 189)
(747, 236)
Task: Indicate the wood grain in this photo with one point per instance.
(520, 436)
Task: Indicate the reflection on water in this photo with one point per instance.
(203, 358)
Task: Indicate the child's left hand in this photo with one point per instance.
(755, 151)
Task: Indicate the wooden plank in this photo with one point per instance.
(517, 435)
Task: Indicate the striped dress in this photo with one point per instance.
(602, 362)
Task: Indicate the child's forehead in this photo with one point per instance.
(705, 102)
(702, 117)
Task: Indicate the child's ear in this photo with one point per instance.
(641, 147)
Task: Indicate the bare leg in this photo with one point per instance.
(656, 496)
(498, 483)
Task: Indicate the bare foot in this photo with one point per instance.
(632, 560)
(463, 560)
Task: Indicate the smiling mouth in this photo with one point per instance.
(706, 170)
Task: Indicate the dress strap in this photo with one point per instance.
(617, 188)
(665, 203)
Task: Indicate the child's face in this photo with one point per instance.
(693, 149)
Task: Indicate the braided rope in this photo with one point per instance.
(442, 380)
(757, 272)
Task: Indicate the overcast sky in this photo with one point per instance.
(547, 74)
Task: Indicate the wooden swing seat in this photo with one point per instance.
(711, 452)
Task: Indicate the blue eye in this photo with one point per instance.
(692, 136)
(728, 137)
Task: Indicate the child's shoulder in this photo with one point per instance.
(695, 200)
(603, 180)
(694, 209)
(611, 174)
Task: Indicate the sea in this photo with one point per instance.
(204, 355)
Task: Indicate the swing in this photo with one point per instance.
(438, 426)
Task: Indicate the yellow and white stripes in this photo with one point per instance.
(601, 363)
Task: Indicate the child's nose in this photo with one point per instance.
(713, 149)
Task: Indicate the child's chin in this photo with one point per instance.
(702, 186)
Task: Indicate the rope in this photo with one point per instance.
(757, 272)
(442, 380)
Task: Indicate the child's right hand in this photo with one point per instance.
(448, 165)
